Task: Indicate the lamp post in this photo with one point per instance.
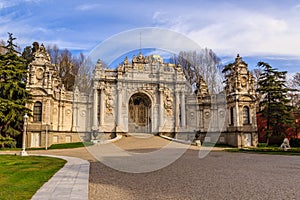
(23, 152)
(46, 136)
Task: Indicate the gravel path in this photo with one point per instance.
(219, 175)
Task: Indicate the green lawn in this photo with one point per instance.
(21, 177)
(70, 145)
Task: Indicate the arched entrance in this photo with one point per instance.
(139, 111)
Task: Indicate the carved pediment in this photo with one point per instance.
(40, 54)
(140, 59)
(38, 92)
(245, 98)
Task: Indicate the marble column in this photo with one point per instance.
(62, 115)
(183, 117)
(119, 110)
(75, 112)
(161, 109)
(59, 122)
(102, 111)
(95, 108)
(237, 115)
(177, 111)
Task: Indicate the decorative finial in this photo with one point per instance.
(99, 63)
(126, 61)
(238, 58)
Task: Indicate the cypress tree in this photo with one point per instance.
(274, 105)
(13, 93)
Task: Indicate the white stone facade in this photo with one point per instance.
(144, 95)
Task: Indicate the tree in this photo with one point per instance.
(54, 53)
(66, 65)
(83, 78)
(2, 47)
(27, 54)
(199, 66)
(274, 104)
(13, 93)
(295, 93)
(296, 81)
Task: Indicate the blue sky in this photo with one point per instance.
(260, 30)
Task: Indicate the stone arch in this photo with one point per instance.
(139, 113)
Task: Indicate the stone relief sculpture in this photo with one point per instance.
(202, 88)
(108, 99)
(40, 53)
(140, 59)
(168, 102)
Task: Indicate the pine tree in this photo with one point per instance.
(13, 93)
(274, 105)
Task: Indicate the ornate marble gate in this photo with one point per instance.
(139, 110)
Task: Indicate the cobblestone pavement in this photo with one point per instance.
(220, 175)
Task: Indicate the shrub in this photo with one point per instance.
(7, 142)
(276, 140)
(262, 145)
(295, 142)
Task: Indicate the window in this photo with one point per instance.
(231, 116)
(37, 112)
(246, 115)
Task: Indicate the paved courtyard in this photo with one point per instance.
(219, 175)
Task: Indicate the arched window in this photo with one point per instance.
(246, 115)
(37, 111)
(231, 116)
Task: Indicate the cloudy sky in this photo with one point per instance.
(267, 30)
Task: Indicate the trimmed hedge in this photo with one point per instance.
(295, 142)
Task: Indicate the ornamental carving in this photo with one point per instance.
(40, 53)
(149, 88)
(108, 99)
(168, 102)
(140, 59)
(207, 114)
(68, 112)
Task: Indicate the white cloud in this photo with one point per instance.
(229, 32)
(87, 7)
(6, 4)
(10, 3)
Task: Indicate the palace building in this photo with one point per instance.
(142, 95)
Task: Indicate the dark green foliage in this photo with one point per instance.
(70, 145)
(267, 150)
(295, 142)
(27, 54)
(274, 104)
(7, 142)
(13, 93)
(276, 140)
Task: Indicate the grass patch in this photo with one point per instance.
(21, 177)
(70, 145)
(208, 144)
(53, 146)
(267, 150)
(10, 149)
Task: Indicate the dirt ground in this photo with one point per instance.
(220, 175)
